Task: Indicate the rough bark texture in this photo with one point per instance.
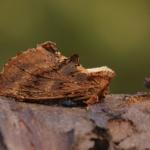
(121, 122)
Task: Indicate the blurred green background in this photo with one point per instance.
(113, 33)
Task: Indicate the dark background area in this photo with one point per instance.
(112, 33)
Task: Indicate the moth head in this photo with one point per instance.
(101, 72)
(102, 75)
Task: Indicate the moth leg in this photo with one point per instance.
(92, 100)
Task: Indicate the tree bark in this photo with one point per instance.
(120, 122)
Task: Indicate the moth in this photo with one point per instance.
(43, 74)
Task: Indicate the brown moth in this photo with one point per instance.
(43, 74)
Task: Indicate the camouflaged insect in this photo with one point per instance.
(43, 74)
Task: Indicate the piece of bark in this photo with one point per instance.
(43, 74)
(121, 122)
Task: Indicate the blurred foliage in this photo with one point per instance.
(113, 33)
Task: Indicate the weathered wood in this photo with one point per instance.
(121, 122)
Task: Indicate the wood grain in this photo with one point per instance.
(120, 122)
